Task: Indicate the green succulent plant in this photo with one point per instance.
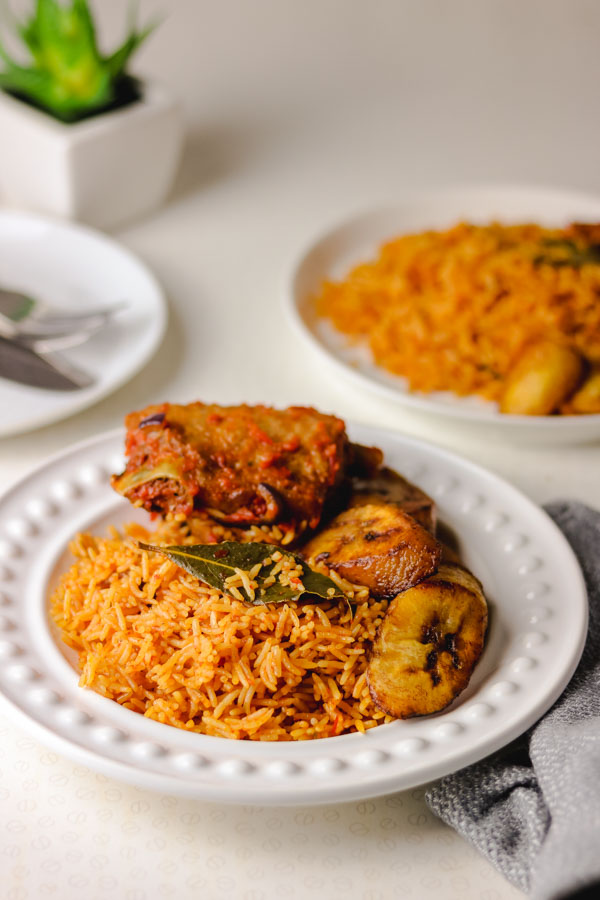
(68, 75)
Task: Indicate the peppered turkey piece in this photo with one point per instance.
(243, 464)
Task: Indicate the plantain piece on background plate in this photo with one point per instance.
(542, 380)
(377, 545)
(242, 464)
(428, 644)
(587, 398)
(385, 484)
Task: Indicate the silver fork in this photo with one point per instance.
(24, 318)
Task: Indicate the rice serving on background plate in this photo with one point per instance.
(455, 310)
(161, 643)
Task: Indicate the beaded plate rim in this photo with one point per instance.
(535, 642)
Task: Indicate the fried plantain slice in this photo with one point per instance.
(364, 462)
(587, 398)
(376, 545)
(386, 484)
(428, 644)
(543, 378)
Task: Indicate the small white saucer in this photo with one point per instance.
(74, 268)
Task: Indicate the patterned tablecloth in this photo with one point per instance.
(67, 832)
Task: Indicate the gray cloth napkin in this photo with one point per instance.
(533, 809)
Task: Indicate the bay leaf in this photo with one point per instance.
(215, 563)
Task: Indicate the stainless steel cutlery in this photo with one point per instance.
(31, 333)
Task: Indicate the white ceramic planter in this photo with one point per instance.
(106, 170)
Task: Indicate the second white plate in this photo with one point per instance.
(538, 623)
(74, 268)
(332, 255)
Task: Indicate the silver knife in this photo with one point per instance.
(47, 371)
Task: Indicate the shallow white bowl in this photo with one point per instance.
(333, 253)
(538, 623)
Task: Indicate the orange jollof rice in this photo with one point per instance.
(159, 642)
(454, 310)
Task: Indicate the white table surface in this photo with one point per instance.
(298, 114)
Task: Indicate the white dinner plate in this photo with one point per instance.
(356, 240)
(538, 623)
(75, 268)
